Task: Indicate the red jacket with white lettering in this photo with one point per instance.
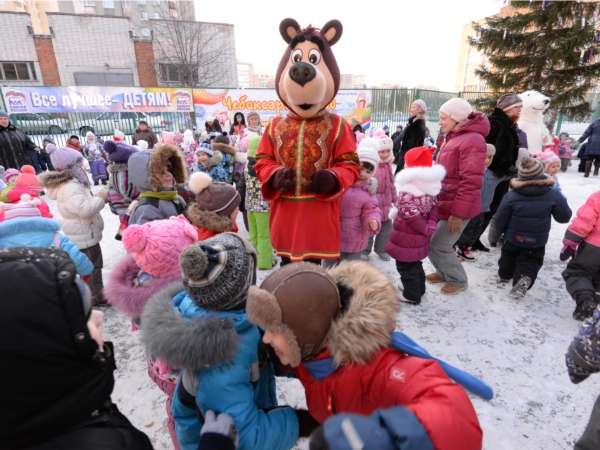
(370, 376)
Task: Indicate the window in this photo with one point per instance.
(141, 2)
(108, 3)
(144, 15)
(157, 15)
(17, 71)
(126, 4)
(156, 2)
(145, 31)
(178, 73)
(89, 3)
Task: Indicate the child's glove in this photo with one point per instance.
(561, 150)
(282, 179)
(221, 424)
(322, 182)
(569, 250)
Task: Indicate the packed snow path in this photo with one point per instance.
(515, 346)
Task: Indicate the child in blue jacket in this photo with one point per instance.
(202, 327)
(22, 225)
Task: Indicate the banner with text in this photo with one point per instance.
(96, 99)
(222, 104)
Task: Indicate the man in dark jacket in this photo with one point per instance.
(144, 133)
(47, 140)
(58, 393)
(525, 215)
(592, 134)
(14, 145)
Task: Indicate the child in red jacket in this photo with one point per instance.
(334, 328)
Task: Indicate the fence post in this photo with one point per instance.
(561, 116)
(3, 104)
(417, 94)
(460, 94)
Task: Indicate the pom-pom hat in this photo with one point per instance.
(419, 157)
(220, 198)
(530, 168)
(28, 178)
(119, 152)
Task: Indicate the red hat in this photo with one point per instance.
(419, 157)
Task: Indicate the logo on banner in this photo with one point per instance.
(16, 100)
(183, 100)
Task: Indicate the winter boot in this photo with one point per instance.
(403, 299)
(585, 307)
(588, 168)
(477, 245)
(520, 289)
(596, 170)
(104, 182)
(434, 278)
(452, 289)
(95, 183)
(464, 254)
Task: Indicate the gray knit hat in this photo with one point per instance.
(218, 272)
(530, 168)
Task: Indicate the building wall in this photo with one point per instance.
(144, 54)
(98, 44)
(36, 9)
(47, 59)
(16, 44)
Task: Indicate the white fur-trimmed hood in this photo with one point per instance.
(421, 180)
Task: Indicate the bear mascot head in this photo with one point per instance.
(532, 120)
(308, 77)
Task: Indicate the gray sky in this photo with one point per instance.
(389, 41)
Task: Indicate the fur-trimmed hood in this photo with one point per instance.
(544, 181)
(52, 181)
(145, 168)
(370, 186)
(420, 181)
(369, 317)
(214, 160)
(182, 334)
(208, 219)
(224, 148)
(121, 293)
(116, 167)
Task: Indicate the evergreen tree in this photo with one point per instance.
(544, 47)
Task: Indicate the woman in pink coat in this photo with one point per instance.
(463, 157)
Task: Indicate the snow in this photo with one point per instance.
(515, 346)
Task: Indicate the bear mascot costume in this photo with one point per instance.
(307, 159)
(532, 120)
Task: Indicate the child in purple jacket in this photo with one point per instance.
(360, 216)
(418, 186)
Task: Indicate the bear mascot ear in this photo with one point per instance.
(288, 28)
(332, 31)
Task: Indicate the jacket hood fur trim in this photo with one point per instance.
(185, 342)
(158, 159)
(241, 158)
(369, 319)
(518, 183)
(53, 180)
(214, 160)
(28, 225)
(420, 181)
(224, 148)
(373, 186)
(116, 167)
(208, 219)
(128, 299)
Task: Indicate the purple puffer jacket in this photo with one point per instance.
(463, 156)
(357, 207)
(418, 210)
(386, 192)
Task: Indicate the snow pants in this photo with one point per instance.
(516, 262)
(442, 256)
(94, 254)
(412, 276)
(564, 164)
(380, 240)
(344, 256)
(98, 169)
(471, 232)
(590, 440)
(582, 275)
(260, 237)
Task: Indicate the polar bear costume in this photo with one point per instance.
(532, 120)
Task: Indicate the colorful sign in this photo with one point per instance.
(96, 99)
(222, 104)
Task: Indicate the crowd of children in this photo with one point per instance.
(188, 279)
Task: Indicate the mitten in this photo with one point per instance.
(251, 164)
(282, 179)
(430, 229)
(454, 224)
(569, 250)
(317, 439)
(322, 182)
(307, 423)
(221, 424)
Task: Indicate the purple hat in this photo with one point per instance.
(421, 105)
(119, 152)
(68, 160)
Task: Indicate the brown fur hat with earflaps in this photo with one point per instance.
(350, 308)
(164, 155)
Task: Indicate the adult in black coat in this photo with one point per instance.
(413, 134)
(57, 372)
(14, 145)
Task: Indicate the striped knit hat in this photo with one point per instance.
(531, 168)
(25, 209)
(205, 148)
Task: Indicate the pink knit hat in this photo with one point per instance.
(167, 137)
(421, 105)
(28, 178)
(547, 157)
(156, 245)
(25, 209)
(10, 173)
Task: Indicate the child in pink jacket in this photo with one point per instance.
(582, 243)
(565, 153)
(151, 266)
(418, 186)
(360, 216)
(386, 195)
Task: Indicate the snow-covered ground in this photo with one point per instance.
(517, 347)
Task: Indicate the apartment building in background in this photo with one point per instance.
(349, 81)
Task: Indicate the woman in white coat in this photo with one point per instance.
(81, 222)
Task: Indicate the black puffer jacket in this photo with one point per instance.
(53, 374)
(14, 145)
(526, 212)
(503, 135)
(414, 135)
